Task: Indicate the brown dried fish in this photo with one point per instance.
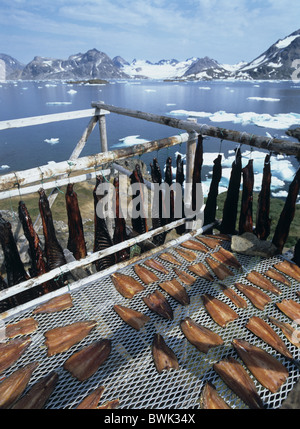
(224, 237)
(211, 400)
(13, 386)
(200, 336)
(109, 405)
(238, 380)
(157, 302)
(288, 268)
(126, 285)
(201, 271)
(188, 255)
(59, 303)
(261, 281)
(194, 245)
(163, 356)
(23, 327)
(176, 290)
(60, 339)
(10, 352)
(265, 367)
(84, 363)
(227, 258)
(186, 278)
(209, 241)
(220, 270)
(263, 330)
(156, 265)
(276, 275)
(290, 308)
(258, 298)
(91, 401)
(169, 258)
(133, 318)
(292, 334)
(221, 313)
(145, 275)
(234, 297)
(37, 396)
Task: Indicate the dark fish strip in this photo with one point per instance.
(188, 255)
(10, 352)
(263, 221)
(198, 161)
(92, 400)
(38, 395)
(211, 400)
(290, 308)
(180, 180)
(265, 367)
(145, 275)
(292, 334)
(238, 380)
(228, 224)
(194, 245)
(59, 303)
(246, 219)
(159, 209)
(157, 302)
(126, 285)
(227, 258)
(211, 202)
(110, 405)
(263, 282)
(237, 300)
(288, 268)
(169, 181)
(120, 234)
(23, 327)
(167, 256)
(156, 265)
(208, 241)
(258, 298)
(76, 242)
(164, 358)
(200, 336)
(279, 277)
(220, 270)
(220, 312)
(200, 270)
(176, 290)
(287, 215)
(133, 318)
(139, 224)
(186, 278)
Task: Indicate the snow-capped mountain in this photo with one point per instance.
(9, 65)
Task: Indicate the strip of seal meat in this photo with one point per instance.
(158, 209)
(179, 198)
(263, 221)
(211, 202)
(120, 234)
(246, 215)
(139, 223)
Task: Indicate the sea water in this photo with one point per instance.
(265, 108)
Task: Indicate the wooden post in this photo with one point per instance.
(103, 135)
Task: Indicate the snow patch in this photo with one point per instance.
(284, 43)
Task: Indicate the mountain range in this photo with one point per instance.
(276, 63)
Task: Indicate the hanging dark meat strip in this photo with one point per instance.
(228, 223)
(198, 161)
(53, 250)
(139, 223)
(158, 213)
(169, 181)
(15, 270)
(211, 202)
(102, 238)
(8, 303)
(76, 243)
(38, 264)
(263, 222)
(180, 179)
(287, 214)
(296, 257)
(246, 219)
(120, 234)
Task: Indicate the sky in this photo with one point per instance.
(228, 31)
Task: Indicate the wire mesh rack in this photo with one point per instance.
(129, 373)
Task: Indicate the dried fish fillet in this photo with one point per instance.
(10, 352)
(220, 270)
(200, 336)
(261, 281)
(91, 401)
(194, 245)
(263, 330)
(156, 265)
(258, 298)
(13, 386)
(276, 275)
(209, 241)
(157, 302)
(84, 363)
(186, 278)
(60, 339)
(234, 297)
(145, 275)
(221, 313)
(110, 405)
(176, 290)
(59, 303)
(133, 318)
(224, 237)
(126, 285)
(23, 327)
(169, 258)
(288, 268)
(37, 396)
(292, 334)
(290, 308)
(164, 358)
(201, 271)
(211, 400)
(238, 380)
(188, 255)
(227, 258)
(265, 367)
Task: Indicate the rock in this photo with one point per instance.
(249, 244)
(294, 132)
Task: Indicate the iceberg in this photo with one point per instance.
(52, 141)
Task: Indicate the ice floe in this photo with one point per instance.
(72, 91)
(130, 141)
(57, 103)
(53, 140)
(4, 167)
(263, 99)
